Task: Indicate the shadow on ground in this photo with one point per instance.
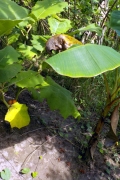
(47, 146)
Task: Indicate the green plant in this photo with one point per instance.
(5, 174)
(34, 174)
(100, 147)
(87, 61)
(22, 66)
(17, 66)
(25, 170)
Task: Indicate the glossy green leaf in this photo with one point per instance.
(27, 79)
(10, 15)
(12, 38)
(5, 174)
(85, 61)
(45, 8)
(58, 98)
(7, 25)
(58, 26)
(115, 21)
(26, 22)
(9, 71)
(17, 115)
(8, 55)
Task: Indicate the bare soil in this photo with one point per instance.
(52, 147)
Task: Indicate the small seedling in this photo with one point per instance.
(40, 157)
(79, 157)
(5, 174)
(34, 174)
(25, 171)
(100, 146)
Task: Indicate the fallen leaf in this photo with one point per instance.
(68, 163)
(82, 171)
(59, 159)
(111, 136)
(61, 150)
(17, 115)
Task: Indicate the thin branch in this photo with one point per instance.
(108, 13)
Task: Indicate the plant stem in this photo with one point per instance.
(107, 87)
(94, 139)
(18, 93)
(3, 99)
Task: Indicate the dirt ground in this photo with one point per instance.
(52, 147)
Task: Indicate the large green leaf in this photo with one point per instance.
(115, 21)
(58, 98)
(10, 15)
(9, 71)
(8, 55)
(7, 25)
(27, 79)
(85, 61)
(45, 8)
(58, 26)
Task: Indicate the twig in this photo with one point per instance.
(31, 154)
(32, 131)
(108, 13)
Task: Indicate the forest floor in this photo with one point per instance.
(52, 147)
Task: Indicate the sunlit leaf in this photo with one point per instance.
(26, 22)
(27, 51)
(10, 15)
(59, 26)
(39, 42)
(25, 170)
(40, 157)
(45, 8)
(8, 55)
(58, 98)
(12, 38)
(34, 174)
(85, 61)
(27, 79)
(17, 115)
